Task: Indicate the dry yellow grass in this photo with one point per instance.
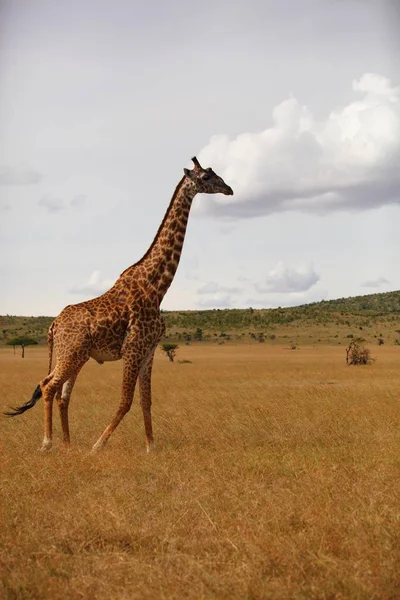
(276, 476)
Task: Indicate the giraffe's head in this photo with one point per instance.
(206, 181)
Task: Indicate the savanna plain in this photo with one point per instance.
(275, 476)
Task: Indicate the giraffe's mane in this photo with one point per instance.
(159, 229)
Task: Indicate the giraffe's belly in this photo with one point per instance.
(102, 356)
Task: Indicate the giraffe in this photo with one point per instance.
(123, 323)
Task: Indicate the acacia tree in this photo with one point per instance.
(169, 350)
(357, 354)
(23, 342)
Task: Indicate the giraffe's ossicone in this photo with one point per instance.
(123, 323)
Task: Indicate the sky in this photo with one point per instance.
(296, 104)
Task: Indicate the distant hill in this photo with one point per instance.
(371, 306)
(328, 321)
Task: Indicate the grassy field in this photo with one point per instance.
(275, 476)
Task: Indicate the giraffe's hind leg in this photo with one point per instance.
(49, 388)
(53, 384)
(63, 397)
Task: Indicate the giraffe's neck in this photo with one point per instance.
(155, 271)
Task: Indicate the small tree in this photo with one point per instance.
(357, 354)
(198, 334)
(170, 350)
(23, 342)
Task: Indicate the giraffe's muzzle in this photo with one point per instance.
(229, 191)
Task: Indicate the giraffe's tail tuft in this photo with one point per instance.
(21, 409)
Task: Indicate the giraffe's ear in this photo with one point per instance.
(188, 173)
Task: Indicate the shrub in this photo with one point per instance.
(357, 354)
(198, 334)
(169, 350)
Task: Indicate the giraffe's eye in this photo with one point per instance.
(206, 176)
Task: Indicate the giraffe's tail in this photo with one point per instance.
(37, 394)
(21, 409)
(50, 337)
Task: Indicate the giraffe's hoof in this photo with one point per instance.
(46, 446)
(97, 446)
(150, 447)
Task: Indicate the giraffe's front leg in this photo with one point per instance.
(145, 399)
(130, 375)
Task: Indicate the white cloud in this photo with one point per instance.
(347, 162)
(214, 295)
(54, 204)
(51, 203)
(19, 175)
(78, 201)
(215, 302)
(286, 280)
(283, 301)
(374, 283)
(211, 287)
(208, 288)
(95, 286)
